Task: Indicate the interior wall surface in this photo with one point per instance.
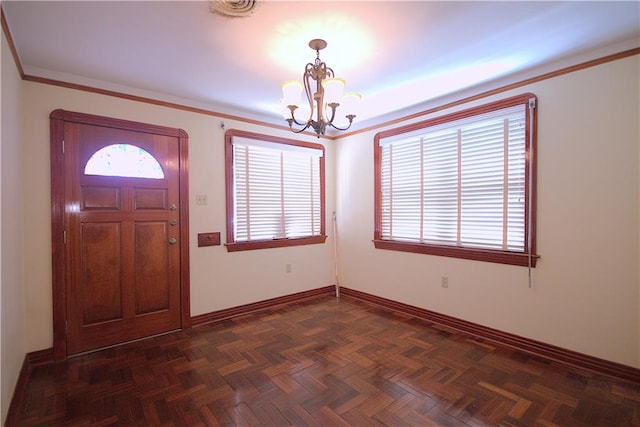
(584, 296)
(218, 279)
(12, 307)
(585, 289)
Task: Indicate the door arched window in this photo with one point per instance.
(124, 160)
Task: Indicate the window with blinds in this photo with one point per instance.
(459, 185)
(275, 192)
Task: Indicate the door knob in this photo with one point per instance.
(173, 222)
(173, 241)
(173, 207)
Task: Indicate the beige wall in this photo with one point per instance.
(585, 295)
(218, 279)
(585, 290)
(12, 309)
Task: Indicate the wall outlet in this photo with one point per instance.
(444, 281)
(288, 268)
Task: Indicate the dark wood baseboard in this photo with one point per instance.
(39, 357)
(30, 360)
(550, 352)
(216, 316)
(18, 394)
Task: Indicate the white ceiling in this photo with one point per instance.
(400, 55)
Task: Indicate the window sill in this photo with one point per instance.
(275, 243)
(488, 255)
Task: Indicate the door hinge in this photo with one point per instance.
(66, 327)
(532, 103)
(63, 146)
(64, 237)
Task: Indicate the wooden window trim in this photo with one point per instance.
(477, 254)
(276, 243)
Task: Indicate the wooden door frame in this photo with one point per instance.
(58, 212)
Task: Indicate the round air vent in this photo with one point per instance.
(233, 8)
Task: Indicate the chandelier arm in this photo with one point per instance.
(318, 127)
(350, 117)
(300, 123)
(299, 130)
(309, 73)
(333, 107)
(293, 119)
(328, 73)
(319, 71)
(322, 72)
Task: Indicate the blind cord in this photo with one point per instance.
(335, 255)
(532, 105)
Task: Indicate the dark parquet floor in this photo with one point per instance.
(324, 362)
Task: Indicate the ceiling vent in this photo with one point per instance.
(233, 8)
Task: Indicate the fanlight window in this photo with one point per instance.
(124, 160)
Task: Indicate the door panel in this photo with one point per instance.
(152, 276)
(96, 198)
(123, 251)
(149, 198)
(100, 283)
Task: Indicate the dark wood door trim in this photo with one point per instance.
(59, 273)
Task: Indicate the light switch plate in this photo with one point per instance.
(201, 199)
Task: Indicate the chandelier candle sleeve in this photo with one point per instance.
(350, 102)
(325, 99)
(291, 92)
(333, 89)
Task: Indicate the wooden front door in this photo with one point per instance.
(123, 236)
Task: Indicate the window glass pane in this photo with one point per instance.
(124, 160)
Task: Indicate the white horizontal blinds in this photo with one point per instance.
(441, 187)
(301, 180)
(241, 193)
(516, 183)
(277, 190)
(405, 191)
(386, 192)
(258, 213)
(461, 183)
(482, 185)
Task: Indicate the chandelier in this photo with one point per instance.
(324, 94)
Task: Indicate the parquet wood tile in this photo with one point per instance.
(323, 362)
